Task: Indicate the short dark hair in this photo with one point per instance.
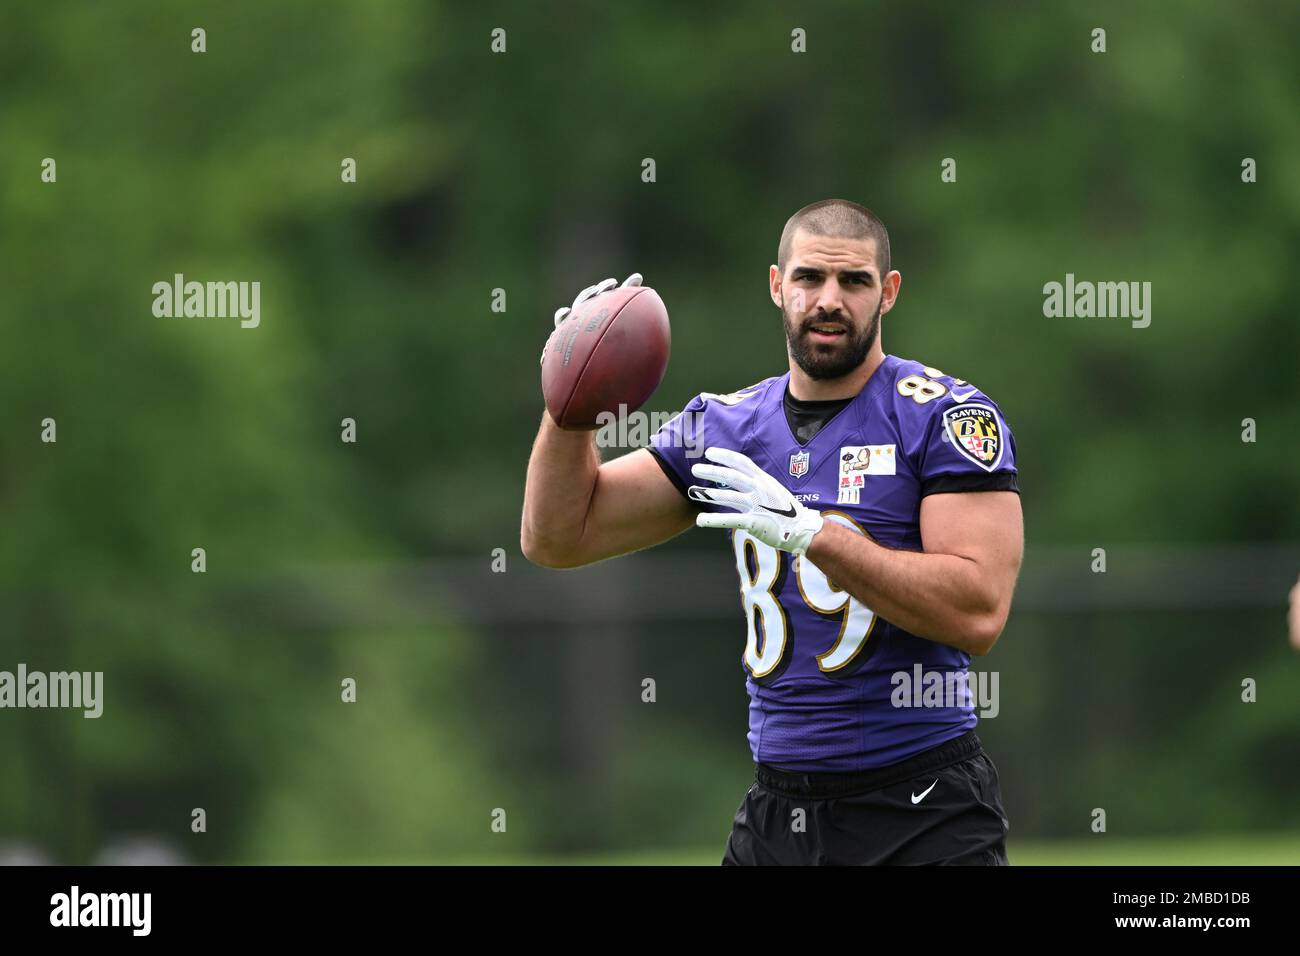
(838, 218)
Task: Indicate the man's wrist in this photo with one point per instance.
(814, 525)
(824, 540)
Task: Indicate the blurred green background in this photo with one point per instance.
(521, 171)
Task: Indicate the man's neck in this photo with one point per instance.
(846, 386)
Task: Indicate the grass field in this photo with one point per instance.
(1281, 849)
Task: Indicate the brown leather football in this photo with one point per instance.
(609, 352)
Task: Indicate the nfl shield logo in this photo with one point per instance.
(799, 464)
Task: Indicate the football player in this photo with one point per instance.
(873, 510)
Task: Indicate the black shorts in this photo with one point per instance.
(943, 806)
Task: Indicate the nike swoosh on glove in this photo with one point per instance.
(763, 507)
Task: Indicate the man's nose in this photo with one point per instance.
(830, 297)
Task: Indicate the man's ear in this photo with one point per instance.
(774, 285)
(889, 290)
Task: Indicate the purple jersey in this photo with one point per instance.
(822, 669)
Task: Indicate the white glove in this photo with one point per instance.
(590, 293)
(594, 290)
(764, 507)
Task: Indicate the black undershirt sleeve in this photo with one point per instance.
(672, 476)
(944, 484)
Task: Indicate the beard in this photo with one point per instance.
(830, 360)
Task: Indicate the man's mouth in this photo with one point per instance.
(826, 331)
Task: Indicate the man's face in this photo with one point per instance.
(832, 296)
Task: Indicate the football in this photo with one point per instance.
(607, 356)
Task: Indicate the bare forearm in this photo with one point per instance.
(942, 597)
(557, 493)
